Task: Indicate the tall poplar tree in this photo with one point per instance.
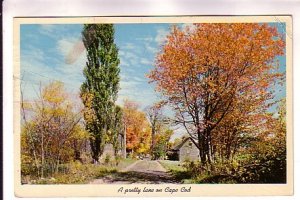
(99, 90)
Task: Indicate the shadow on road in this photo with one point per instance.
(140, 177)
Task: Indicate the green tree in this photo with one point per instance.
(116, 133)
(99, 90)
(162, 144)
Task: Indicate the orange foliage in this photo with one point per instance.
(137, 128)
(217, 73)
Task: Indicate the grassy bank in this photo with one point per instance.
(78, 173)
(190, 172)
(177, 170)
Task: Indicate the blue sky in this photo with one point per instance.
(52, 52)
(45, 50)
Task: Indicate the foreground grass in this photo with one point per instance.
(177, 170)
(125, 162)
(171, 165)
(189, 174)
(78, 173)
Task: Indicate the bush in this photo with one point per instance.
(118, 159)
(218, 172)
(249, 169)
(107, 159)
(27, 168)
(75, 173)
(264, 170)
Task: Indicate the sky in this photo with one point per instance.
(46, 49)
(55, 52)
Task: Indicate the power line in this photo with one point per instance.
(41, 75)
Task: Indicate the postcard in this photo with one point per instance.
(153, 106)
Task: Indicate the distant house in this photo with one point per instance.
(186, 150)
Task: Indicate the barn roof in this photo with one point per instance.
(182, 143)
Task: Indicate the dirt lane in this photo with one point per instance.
(142, 171)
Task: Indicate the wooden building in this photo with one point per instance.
(186, 150)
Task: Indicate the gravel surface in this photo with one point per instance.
(141, 171)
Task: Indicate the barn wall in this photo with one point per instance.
(188, 152)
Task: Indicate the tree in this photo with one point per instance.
(50, 126)
(78, 141)
(155, 118)
(99, 91)
(207, 72)
(236, 129)
(268, 149)
(116, 133)
(137, 129)
(162, 144)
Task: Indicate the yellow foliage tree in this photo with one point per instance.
(51, 133)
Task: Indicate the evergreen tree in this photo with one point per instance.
(99, 90)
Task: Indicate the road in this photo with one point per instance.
(142, 171)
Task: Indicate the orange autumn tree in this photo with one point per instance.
(138, 130)
(215, 72)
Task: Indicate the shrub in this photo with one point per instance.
(107, 159)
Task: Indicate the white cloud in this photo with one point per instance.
(33, 54)
(123, 63)
(47, 27)
(137, 89)
(145, 61)
(48, 30)
(39, 67)
(150, 48)
(136, 78)
(65, 45)
(128, 46)
(143, 97)
(146, 39)
(128, 85)
(130, 82)
(34, 72)
(72, 49)
(133, 84)
(56, 31)
(161, 35)
(128, 57)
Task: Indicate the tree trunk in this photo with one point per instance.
(42, 162)
(200, 143)
(153, 139)
(124, 143)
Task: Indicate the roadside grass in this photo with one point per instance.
(177, 170)
(124, 163)
(215, 179)
(78, 173)
(191, 173)
(171, 165)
